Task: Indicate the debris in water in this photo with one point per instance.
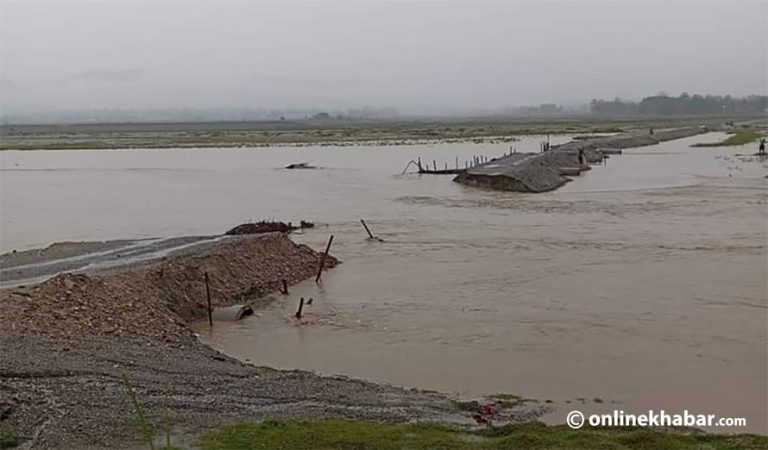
(371, 237)
(300, 166)
(265, 226)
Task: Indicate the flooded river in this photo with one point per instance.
(641, 284)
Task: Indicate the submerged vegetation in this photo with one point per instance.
(740, 137)
(347, 434)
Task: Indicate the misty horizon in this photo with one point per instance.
(439, 58)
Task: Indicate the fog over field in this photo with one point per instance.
(417, 57)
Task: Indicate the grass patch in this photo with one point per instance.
(350, 434)
(9, 437)
(740, 137)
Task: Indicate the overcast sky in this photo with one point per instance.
(426, 56)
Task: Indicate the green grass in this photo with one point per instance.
(9, 437)
(348, 434)
(740, 137)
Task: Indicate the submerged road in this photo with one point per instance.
(542, 172)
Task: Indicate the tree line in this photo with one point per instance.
(685, 104)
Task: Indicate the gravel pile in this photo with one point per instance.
(69, 394)
(155, 301)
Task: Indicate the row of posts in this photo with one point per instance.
(475, 161)
(468, 164)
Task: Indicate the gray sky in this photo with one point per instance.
(415, 56)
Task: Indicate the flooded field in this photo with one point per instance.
(641, 284)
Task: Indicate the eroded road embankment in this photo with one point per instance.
(66, 342)
(543, 172)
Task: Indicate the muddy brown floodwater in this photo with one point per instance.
(639, 285)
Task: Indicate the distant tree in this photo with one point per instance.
(616, 107)
(685, 104)
(550, 108)
(321, 116)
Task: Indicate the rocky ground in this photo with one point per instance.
(69, 393)
(66, 343)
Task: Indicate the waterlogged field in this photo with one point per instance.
(302, 132)
(640, 285)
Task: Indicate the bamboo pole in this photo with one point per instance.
(370, 235)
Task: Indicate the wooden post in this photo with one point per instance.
(419, 162)
(457, 163)
(208, 295)
(301, 308)
(285, 286)
(322, 260)
(434, 165)
(370, 235)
